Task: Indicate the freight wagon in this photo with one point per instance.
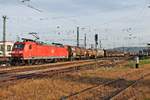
(113, 53)
(76, 52)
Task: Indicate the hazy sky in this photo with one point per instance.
(118, 22)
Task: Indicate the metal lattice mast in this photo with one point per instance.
(4, 35)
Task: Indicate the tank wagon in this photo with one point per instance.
(91, 53)
(100, 53)
(75, 52)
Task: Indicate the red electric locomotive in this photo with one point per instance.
(32, 52)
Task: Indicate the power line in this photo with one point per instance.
(26, 3)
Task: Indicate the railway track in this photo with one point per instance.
(4, 70)
(111, 90)
(39, 67)
(14, 74)
(128, 90)
(104, 58)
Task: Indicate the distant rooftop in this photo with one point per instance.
(7, 41)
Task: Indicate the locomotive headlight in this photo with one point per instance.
(20, 52)
(1, 52)
(12, 52)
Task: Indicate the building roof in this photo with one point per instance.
(11, 42)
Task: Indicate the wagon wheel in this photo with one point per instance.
(12, 62)
(30, 62)
(55, 60)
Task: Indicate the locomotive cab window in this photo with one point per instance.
(18, 46)
(1, 47)
(8, 47)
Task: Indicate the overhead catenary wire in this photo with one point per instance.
(27, 4)
(129, 30)
(131, 34)
(66, 17)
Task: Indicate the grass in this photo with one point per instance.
(55, 88)
(145, 61)
(131, 63)
(40, 89)
(147, 99)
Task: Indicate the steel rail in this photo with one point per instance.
(48, 71)
(114, 94)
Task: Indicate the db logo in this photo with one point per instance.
(52, 51)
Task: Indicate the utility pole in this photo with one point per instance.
(85, 41)
(77, 36)
(100, 44)
(4, 35)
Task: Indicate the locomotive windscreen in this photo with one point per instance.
(1, 47)
(18, 46)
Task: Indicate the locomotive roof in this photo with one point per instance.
(40, 42)
(26, 40)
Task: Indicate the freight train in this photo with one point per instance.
(32, 52)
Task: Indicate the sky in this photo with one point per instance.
(117, 22)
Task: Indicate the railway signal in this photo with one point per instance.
(96, 43)
(96, 40)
